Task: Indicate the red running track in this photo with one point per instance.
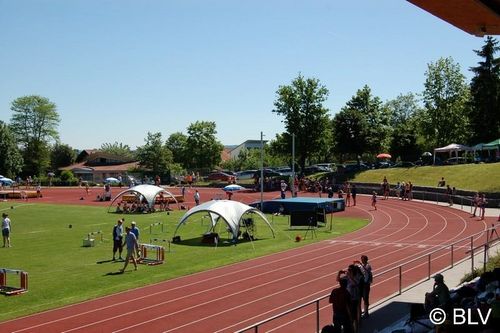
(232, 297)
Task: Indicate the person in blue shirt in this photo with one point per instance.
(132, 248)
(135, 230)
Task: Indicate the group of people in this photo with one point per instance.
(130, 240)
(354, 289)
(480, 295)
(135, 207)
(403, 190)
(480, 202)
(347, 189)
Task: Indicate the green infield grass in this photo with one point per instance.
(47, 242)
(475, 177)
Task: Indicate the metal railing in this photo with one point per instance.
(488, 233)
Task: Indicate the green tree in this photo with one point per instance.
(301, 105)
(362, 126)
(11, 161)
(204, 150)
(154, 155)
(402, 108)
(177, 143)
(61, 155)
(403, 111)
(349, 126)
(34, 123)
(376, 119)
(485, 94)
(446, 97)
(404, 142)
(118, 148)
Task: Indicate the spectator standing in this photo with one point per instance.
(6, 228)
(348, 194)
(354, 192)
(319, 188)
(354, 286)
(132, 248)
(385, 188)
(283, 189)
(118, 239)
(134, 229)
(475, 201)
(330, 192)
(366, 269)
(407, 191)
(398, 190)
(197, 197)
(449, 195)
(341, 305)
(482, 205)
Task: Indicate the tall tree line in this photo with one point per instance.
(448, 110)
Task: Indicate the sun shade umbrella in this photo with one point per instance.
(384, 155)
(427, 154)
(233, 188)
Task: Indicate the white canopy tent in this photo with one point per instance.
(451, 148)
(228, 210)
(146, 192)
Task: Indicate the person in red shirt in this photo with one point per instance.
(341, 305)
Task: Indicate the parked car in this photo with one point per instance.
(353, 167)
(221, 176)
(314, 169)
(456, 160)
(382, 164)
(284, 171)
(267, 173)
(404, 164)
(4, 181)
(246, 174)
(328, 166)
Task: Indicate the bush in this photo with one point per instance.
(66, 178)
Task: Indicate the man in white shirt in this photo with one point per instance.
(6, 229)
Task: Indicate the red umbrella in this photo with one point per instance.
(384, 155)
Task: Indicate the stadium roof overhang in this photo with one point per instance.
(477, 17)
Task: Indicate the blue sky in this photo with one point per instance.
(117, 69)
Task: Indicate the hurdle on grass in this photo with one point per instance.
(90, 241)
(151, 254)
(10, 290)
(91, 235)
(158, 240)
(153, 225)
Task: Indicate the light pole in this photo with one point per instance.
(293, 167)
(261, 172)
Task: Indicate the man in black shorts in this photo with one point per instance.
(118, 239)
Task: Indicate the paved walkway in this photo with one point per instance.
(386, 314)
